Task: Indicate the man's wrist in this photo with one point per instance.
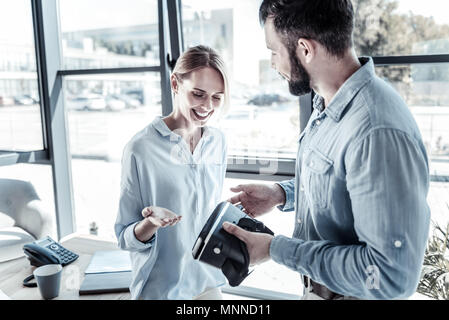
(281, 197)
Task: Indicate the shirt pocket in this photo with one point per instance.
(317, 171)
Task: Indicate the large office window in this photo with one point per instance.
(20, 117)
(109, 34)
(105, 110)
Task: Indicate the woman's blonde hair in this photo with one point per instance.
(201, 57)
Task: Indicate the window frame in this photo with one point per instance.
(10, 157)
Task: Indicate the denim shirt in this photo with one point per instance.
(359, 193)
(158, 169)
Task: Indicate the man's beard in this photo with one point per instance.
(299, 83)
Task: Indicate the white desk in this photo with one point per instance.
(13, 272)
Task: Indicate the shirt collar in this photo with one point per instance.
(348, 90)
(162, 128)
(164, 131)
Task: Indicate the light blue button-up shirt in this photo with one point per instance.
(158, 169)
(359, 194)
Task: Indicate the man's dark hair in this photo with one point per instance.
(329, 22)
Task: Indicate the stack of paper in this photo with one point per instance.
(109, 261)
(108, 271)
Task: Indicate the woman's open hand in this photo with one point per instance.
(154, 218)
(160, 217)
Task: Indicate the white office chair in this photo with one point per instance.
(23, 218)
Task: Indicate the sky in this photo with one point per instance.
(15, 21)
(439, 9)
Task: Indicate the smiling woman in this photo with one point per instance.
(200, 87)
(175, 168)
(210, 73)
(202, 90)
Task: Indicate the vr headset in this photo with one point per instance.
(223, 250)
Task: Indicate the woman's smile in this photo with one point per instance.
(201, 115)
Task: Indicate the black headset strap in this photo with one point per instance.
(26, 282)
(236, 272)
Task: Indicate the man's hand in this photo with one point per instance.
(258, 199)
(258, 244)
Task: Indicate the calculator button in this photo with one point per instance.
(54, 247)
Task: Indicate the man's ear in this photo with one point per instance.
(306, 50)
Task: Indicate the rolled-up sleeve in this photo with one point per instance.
(130, 207)
(387, 180)
(289, 189)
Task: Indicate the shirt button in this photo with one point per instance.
(398, 244)
(318, 122)
(299, 221)
(311, 164)
(301, 188)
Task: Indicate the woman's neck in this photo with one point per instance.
(179, 125)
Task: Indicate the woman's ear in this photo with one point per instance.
(174, 83)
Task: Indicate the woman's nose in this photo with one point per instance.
(210, 104)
